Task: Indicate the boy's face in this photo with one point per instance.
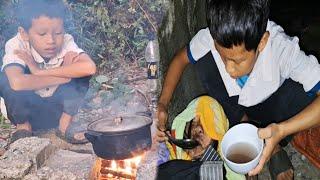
(45, 35)
(237, 60)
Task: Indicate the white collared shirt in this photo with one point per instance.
(279, 60)
(17, 43)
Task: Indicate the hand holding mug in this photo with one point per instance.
(272, 136)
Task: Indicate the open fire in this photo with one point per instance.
(116, 169)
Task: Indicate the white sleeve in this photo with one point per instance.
(200, 45)
(9, 57)
(70, 45)
(295, 64)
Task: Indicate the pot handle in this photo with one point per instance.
(91, 136)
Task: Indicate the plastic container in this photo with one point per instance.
(152, 57)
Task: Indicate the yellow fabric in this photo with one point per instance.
(173, 154)
(180, 121)
(212, 117)
(214, 123)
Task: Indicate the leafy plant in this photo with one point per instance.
(115, 33)
(3, 124)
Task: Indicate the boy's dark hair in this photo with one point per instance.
(31, 9)
(233, 22)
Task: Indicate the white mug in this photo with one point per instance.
(242, 148)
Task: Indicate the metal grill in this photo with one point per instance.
(211, 170)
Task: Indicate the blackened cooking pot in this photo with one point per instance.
(121, 137)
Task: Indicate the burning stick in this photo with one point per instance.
(105, 163)
(117, 174)
(126, 169)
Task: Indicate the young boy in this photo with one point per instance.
(45, 74)
(255, 72)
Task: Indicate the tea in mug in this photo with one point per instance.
(241, 153)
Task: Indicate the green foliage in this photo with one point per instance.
(8, 27)
(115, 32)
(3, 124)
(102, 79)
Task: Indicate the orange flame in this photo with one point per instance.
(120, 169)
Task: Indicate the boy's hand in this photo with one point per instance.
(161, 136)
(162, 117)
(28, 59)
(161, 124)
(272, 135)
(70, 58)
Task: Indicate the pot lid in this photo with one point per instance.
(119, 124)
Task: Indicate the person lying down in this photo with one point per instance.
(204, 121)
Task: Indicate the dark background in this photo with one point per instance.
(299, 18)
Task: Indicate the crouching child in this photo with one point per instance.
(44, 75)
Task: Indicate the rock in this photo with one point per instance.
(23, 156)
(13, 167)
(51, 174)
(115, 80)
(303, 169)
(82, 148)
(28, 158)
(101, 79)
(35, 149)
(148, 167)
(2, 151)
(100, 111)
(77, 163)
(3, 143)
(97, 100)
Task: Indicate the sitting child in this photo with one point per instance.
(204, 121)
(45, 75)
